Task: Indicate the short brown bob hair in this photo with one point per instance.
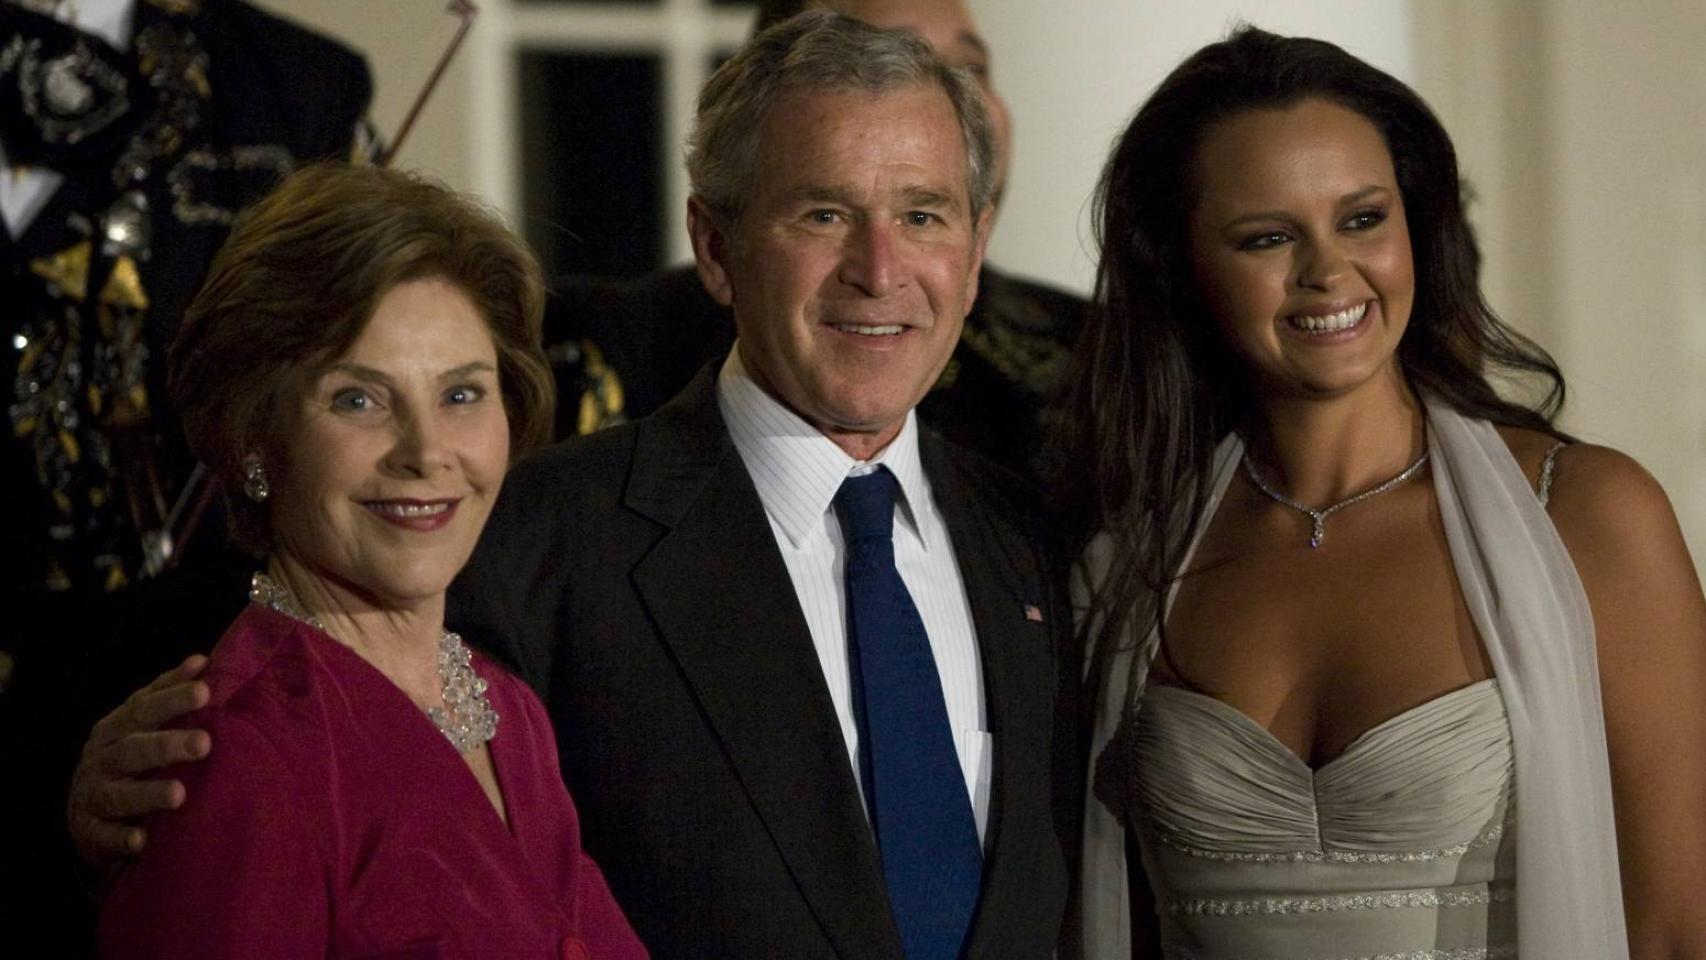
(295, 285)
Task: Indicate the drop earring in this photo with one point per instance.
(255, 479)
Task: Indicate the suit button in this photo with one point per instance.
(573, 949)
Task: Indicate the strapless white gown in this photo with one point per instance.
(1400, 848)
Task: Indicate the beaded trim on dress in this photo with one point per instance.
(1467, 953)
(1269, 906)
(1491, 835)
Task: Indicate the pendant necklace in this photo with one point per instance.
(1318, 531)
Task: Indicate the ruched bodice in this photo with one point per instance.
(1401, 847)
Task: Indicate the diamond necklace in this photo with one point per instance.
(466, 719)
(1319, 531)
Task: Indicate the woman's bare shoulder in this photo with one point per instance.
(1606, 491)
(1620, 530)
(1589, 481)
(1649, 620)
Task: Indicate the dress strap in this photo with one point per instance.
(1546, 465)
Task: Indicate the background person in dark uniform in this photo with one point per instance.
(131, 132)
(626, 346)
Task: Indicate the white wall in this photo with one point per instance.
(1074, 72)
(1630, 206)
(1581, 125)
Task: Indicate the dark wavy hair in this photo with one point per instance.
(1153, 388)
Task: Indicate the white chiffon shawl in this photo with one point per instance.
(1526, 600)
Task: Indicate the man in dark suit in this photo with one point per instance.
(790, 733)
(653, 333)
(710, 730)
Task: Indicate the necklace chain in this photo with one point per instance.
(466, 719)
(1318, 530)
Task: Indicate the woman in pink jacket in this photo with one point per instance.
(360, 370)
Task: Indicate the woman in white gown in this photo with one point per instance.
(1385, 668)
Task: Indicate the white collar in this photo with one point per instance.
(798, 470)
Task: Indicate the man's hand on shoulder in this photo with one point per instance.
(111, 788)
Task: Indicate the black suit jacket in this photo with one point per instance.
(632, 577)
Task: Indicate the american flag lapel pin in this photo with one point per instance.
(1033, 613)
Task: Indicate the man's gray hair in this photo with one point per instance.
(819, 51)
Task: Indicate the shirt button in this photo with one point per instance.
(573, 949)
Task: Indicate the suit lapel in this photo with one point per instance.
(721, 598)
(991, 554)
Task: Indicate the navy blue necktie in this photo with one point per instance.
(914, 789)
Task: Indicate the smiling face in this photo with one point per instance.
(397, 454)
(1301, 249)
(852, 269)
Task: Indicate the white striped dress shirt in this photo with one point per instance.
(797, 471)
